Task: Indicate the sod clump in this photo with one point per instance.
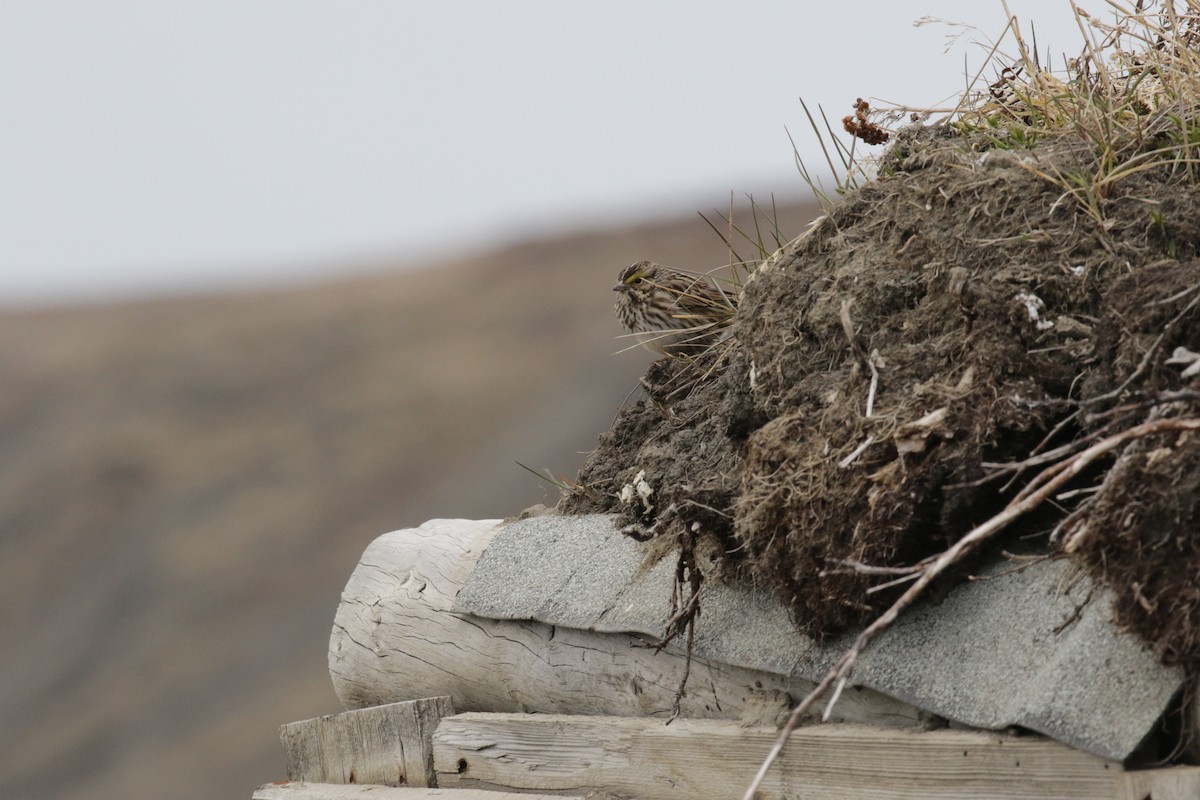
(1017, 281)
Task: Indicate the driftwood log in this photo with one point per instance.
(395, 638)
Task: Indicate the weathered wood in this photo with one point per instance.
(1169, 783)
(329, 791)
(698, 759)
(389, 745)
(396, 638)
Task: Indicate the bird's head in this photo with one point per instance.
(637, 278)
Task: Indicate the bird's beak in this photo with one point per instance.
(620, 287)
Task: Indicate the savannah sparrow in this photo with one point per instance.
(672, 312)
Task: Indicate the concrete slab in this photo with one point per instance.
(1034, 647)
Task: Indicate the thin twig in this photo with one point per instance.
(898, 581)
(868, 569)
(872, 363)
(1077, 493)
(1055, 477)
(1018, 467)
(858, 451)
(1069, 522)
(1162, 398)
(1178, 295)
(1011, 571)
(833, 700)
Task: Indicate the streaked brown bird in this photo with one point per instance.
(672, 312)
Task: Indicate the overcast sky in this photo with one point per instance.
(158, 145)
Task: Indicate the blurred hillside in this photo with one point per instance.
(188, 483)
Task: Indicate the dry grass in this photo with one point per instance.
(1128, 102)
(1131, 97)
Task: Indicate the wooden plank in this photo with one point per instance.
(698, 759)
(396, 637)
(389, 745)
(330, 791)
(1168, 783)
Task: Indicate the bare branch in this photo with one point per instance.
(1043, 486)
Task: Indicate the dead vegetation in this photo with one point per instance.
(1010, 304)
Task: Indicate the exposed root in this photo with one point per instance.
(685, 591)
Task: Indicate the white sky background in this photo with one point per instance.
(153, 146)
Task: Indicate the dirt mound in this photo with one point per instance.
(958, 314)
